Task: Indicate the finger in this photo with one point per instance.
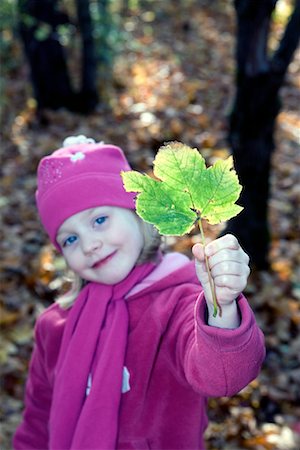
(227, 255)
(225, 242)
(230, 268)
(234, 283)
(226, 295)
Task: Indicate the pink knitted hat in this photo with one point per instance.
(78, 177)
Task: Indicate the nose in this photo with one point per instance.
(90, 244)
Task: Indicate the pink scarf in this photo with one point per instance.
(93, 345)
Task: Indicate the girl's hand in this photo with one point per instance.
(229, 269)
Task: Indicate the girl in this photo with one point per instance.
(129, 361)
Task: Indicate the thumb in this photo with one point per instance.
(198, 252)
(201, 271)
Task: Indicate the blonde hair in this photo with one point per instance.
(152, 242)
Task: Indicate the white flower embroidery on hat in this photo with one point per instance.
(74, 140)
(77, 156)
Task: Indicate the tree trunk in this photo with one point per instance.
(88, 96)
(253, 118)
(106, 51)
(38, 20)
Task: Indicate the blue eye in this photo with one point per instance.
(100, 220)
(69, 241)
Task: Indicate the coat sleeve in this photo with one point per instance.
(216, 362)
(32, 433)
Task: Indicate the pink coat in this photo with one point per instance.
(174, 362)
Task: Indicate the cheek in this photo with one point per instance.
(72, 260)
(133, 241)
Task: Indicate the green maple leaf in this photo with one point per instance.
(185, 190)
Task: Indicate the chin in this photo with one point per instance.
(116, 277)
(110, 280)
(115, 280)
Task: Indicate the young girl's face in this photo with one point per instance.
(101, 244)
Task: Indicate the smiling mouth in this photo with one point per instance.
(103, 261)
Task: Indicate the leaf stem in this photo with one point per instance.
(211, 282)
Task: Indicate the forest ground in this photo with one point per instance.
(173, 80)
